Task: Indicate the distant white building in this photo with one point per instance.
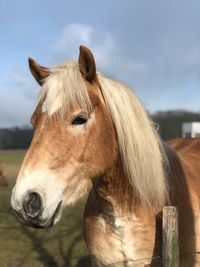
(191, 129)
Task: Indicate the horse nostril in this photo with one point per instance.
(33, 205)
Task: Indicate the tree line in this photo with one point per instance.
(169, 125)
(15, 138)
(170, 122)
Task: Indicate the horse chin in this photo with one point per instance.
(53, 220)
(56, 216)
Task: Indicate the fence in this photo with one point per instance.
(170, 248)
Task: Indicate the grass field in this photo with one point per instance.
(21, 246)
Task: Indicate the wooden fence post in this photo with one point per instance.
(170, 247)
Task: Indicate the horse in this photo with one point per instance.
(94, 138)
(3, 180)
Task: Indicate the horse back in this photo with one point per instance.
(187, 153)
(184, 190)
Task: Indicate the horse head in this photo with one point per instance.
(73, 144)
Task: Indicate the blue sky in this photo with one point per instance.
(153, 46)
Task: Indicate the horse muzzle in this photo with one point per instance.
(32, 211)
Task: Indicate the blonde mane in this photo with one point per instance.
(63, 88)
(141, 151)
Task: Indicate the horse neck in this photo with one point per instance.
(115, 189)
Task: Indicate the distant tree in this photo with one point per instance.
(15, 138)
(169, 124)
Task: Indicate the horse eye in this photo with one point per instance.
(79, 120)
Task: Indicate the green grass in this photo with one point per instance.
(21, 246)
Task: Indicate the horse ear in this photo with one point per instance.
(38, 72)
(87, 64)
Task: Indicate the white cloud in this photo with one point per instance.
(103, 45)
(71, 37)
(15, 109)
(18, 99)
(100, 42)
